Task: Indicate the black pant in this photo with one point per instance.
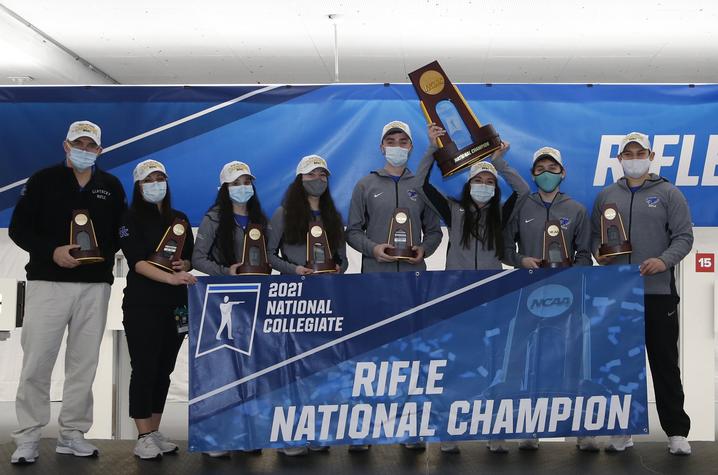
(662, 347)
(153, 343)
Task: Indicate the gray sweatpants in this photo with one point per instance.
(50, 307)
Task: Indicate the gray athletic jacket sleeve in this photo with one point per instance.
(202, 256)
(680, 226)
(356, 237)
(582, 239)
(276, 225)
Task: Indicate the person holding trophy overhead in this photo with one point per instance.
(233, 221)
(66, 219)
(306, 231)
(389, 223)
(652, 229)
(157, 243)
(551, 230)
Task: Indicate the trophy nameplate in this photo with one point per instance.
(254, 252)
(613, 235)
(170, 247)
(400, 235)
(82, 233)
(466, 141)
(555, 252)
(319, 254)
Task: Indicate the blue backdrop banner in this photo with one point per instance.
(384, 358)
(195, 130)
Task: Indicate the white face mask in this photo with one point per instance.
(482, 193)
(154, 192)
(81, 160)
(396, 156)
(636, 168)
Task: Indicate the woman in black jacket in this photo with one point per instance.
(153, 297)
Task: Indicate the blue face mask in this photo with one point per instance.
(548, 181)
(240, 194)
(397, 156)
(81, 160)
(154, 192)
(482, 193)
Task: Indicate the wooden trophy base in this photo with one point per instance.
(555, 265)
(326, 268)
(87, 257)
(451, 160)
(254, 270)
(607, 250)
(401, 253)
(158, 260)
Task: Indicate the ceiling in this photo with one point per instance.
(292, 41)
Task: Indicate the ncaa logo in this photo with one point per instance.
(549, 301)
(229, 317)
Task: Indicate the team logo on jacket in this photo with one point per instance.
(652, 201)
(229, 315)
(412, 194)
(564, 222)
(124, 232)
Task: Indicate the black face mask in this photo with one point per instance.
(315, 187)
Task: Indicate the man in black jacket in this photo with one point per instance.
(62, 291)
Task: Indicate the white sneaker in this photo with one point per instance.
(146, 448)
(498, 446)
(528, 444)
(76, 446)
(416, 446)
(359, 448)
(678, 445)
(164, 443)
(217, 454)
(26, 452)
(619, 443)
(588, 444)
(450, 448)
(295, 451)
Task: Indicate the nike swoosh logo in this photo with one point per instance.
(528, 220)
(378, 194)
(670, 314)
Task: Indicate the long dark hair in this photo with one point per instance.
(225, 230)
(146, 211)
(298, 214)
(491, 237)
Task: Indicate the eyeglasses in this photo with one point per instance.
(633, 155)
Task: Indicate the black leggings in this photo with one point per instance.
(153, 343)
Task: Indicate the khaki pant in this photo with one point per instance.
(51, 307)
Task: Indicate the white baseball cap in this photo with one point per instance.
(549, 152)
(311, 162)
(396, 126)
(84, 128)
(484, 166)
(143, 169)
(234, 170)
(639, 138)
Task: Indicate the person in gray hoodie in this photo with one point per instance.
(527, 225)
(220, 238)
(307, 199)
(474, 220)
(374, 200)
(658, 226)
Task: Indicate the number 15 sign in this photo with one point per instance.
(705, 262)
